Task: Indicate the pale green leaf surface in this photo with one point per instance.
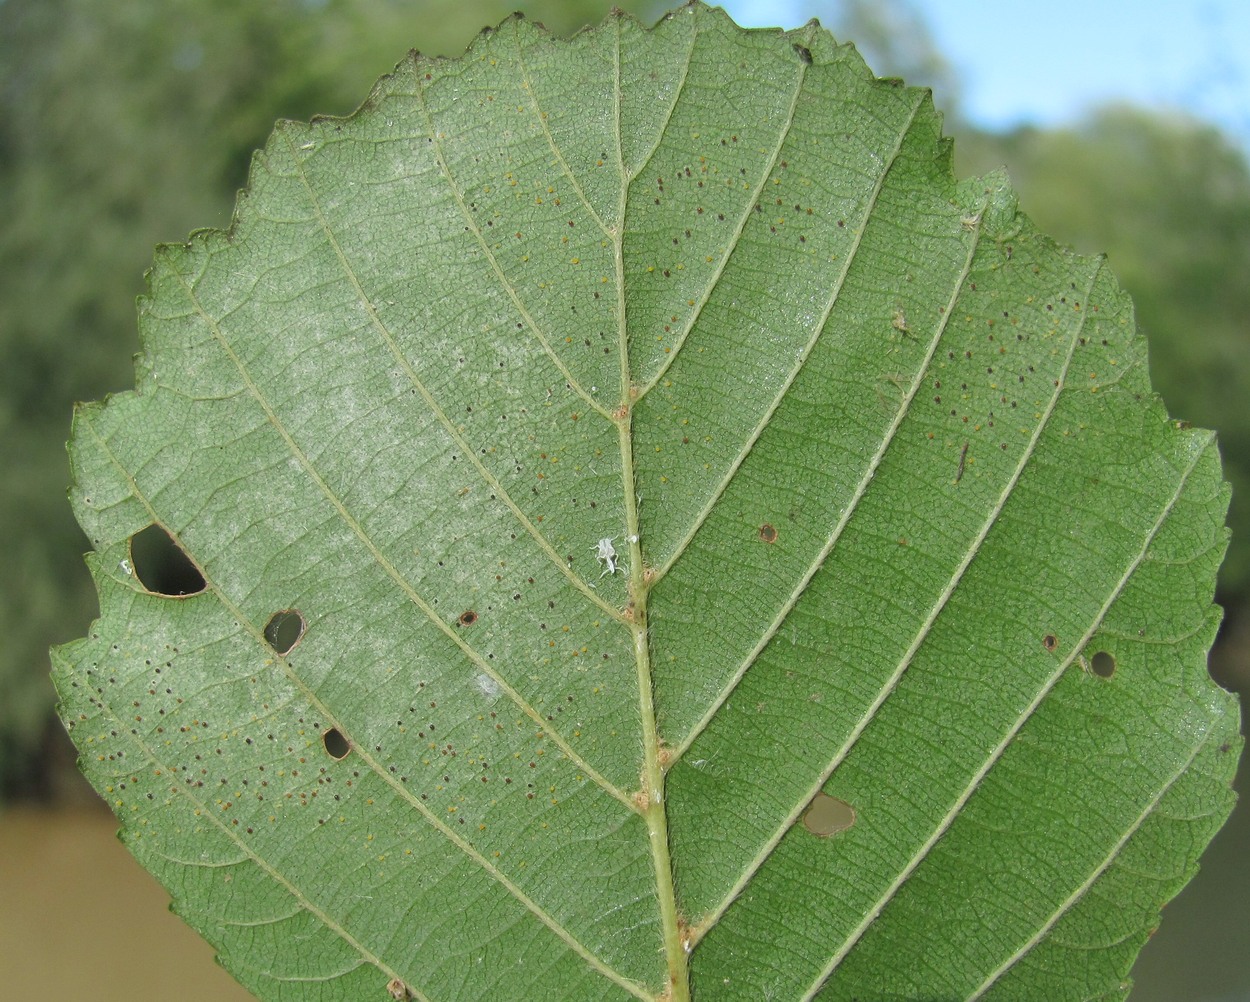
(881, 471)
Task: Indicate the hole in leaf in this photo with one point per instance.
(828, 815)
(768, 533)
(467, 618)
(1050, 641)
(1102, 664)
(337, 746)
(284, 630)
(161, 565)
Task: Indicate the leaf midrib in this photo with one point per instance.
(655, 809)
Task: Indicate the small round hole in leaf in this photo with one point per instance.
(1050, 641)
(161, 565)
(1102, 664)
(284, 630)
(768, 533)
(827, 815)
(337, 746)
(467, 618)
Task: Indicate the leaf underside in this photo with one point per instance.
(642, 438)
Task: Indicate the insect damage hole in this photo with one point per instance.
(161, 565)
(284, 630)
(337, 746)
(827, 815)
(1102, 664)
(1050, 642)
(467, 618)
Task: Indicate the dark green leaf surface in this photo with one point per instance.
(650, 434)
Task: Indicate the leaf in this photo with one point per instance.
(588, 456)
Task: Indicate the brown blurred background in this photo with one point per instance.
(131, 123)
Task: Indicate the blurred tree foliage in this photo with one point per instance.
(124, 124)
(130, 123)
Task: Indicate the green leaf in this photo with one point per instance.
(652, 533)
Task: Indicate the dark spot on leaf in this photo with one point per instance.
(284, 629)
(804, 53)
(768, 533)
(1102, 664)
(1050, 642)
(161, 565)
(336, 745)
(467, 618)
(827, 815)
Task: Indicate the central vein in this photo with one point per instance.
(651, 793)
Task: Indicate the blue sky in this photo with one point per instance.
(1046, 63)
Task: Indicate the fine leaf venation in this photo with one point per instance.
(257, 634)
(440, 413)
(628, 175)
(393, 572)
(1084, 886)
(541, 118)
(734, 240)
(508, 288)
(861, 489)
(1046, 687)
(817, 330)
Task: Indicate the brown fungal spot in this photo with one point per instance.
(467, 618)
(336, 745)
(1050, 642)
(398, 990)
(827, 815)
(768, 533)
